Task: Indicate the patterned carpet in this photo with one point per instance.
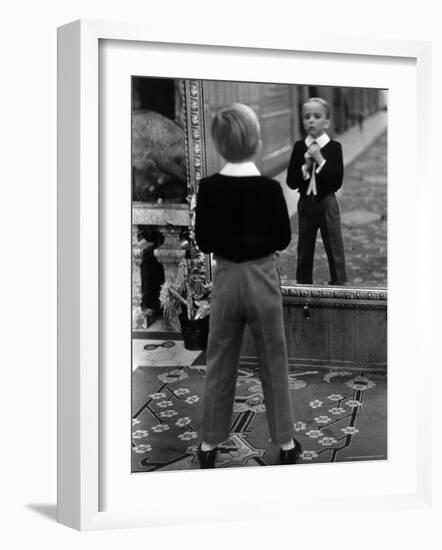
(339, 415)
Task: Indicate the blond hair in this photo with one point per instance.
(236, 132)
(322, 102)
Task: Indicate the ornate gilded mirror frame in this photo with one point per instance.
(196, 153)
(195, 112)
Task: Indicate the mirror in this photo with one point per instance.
(359, 122)
(172, 150)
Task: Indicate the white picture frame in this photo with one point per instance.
(81, 394)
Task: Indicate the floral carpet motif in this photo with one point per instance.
(339, 416)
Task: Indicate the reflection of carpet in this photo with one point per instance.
(339, 416)
(358, 216)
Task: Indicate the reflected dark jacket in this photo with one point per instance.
(329, 178)
(241, 218)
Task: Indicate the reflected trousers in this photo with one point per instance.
(247, 292)
(320, 213)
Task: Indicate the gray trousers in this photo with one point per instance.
(247, 292)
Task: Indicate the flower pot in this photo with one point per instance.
(195, 332)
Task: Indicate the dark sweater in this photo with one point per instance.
(241, 218)
(329, 178)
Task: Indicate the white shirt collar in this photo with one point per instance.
(239, 169)
(322, 140)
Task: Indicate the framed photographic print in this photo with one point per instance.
(135, 141)
(336, 333)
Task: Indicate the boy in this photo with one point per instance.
(241, 217)
(316, 169)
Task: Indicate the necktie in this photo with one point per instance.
(312, 185)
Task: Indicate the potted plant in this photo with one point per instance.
(188, 300)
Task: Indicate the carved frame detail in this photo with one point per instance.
(195, 150)
(336, 297)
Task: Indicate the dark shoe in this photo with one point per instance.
(292, 455)
(206, 458)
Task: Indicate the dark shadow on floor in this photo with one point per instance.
(47, 510)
